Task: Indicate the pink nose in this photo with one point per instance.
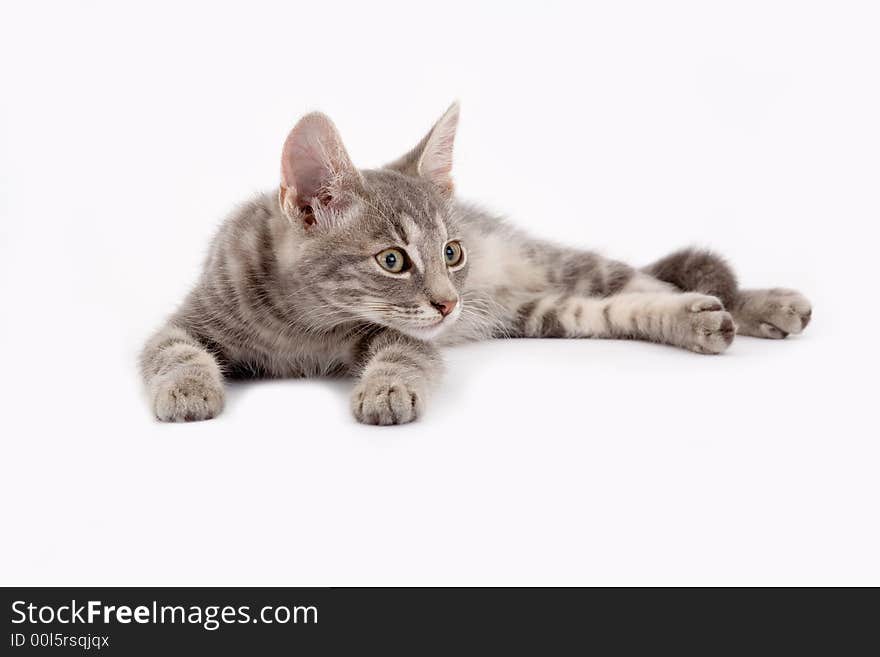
(445, 307)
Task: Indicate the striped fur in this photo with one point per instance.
(291, 287)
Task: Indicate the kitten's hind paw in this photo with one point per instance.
(380, 399)
(185, 395)
(774, 314)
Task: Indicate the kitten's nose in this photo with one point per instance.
(445, 307)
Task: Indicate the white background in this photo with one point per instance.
(633, 128)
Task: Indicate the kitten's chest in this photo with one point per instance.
(307, 354)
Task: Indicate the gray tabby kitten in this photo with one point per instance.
(367, 272)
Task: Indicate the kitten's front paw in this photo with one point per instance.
(187, 395)
(709, 329)
(380, 399)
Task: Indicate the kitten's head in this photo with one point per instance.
(383, 245)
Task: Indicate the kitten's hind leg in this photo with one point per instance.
(697, 270)
(183, 379)
(773, 313)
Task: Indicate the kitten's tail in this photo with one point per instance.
(183, 378)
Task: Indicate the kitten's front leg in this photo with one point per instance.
(398, 373)
(183, 378)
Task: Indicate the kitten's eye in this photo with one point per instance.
(453, 253)
(393, 260)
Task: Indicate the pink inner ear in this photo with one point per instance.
(302, 169)
(314, 160)
(436, 160)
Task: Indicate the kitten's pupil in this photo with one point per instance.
(450, 253)
(391, 260)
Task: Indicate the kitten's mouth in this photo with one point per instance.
(422, 329)
(431, 330)
(425, 332)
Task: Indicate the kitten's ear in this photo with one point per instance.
(432, 158)
(317, 176)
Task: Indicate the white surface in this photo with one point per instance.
(633, 128)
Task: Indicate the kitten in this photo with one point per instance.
(367, 272)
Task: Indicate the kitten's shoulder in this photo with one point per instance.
(251, 218)
(251, 228)
(259, 209)
(474, 218)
